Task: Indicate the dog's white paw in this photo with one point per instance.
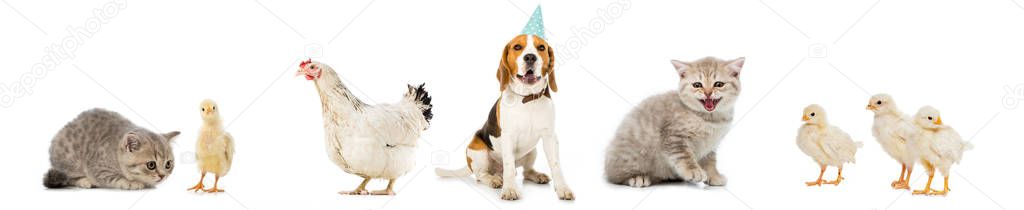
(510, 194)
(639, 181)
(696, 175)
(565, 193)
(717, 180)
(536, 177)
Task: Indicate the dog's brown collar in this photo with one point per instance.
(535, 96)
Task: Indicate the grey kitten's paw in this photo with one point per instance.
(83, 183)
(131, 185)
(717, 180)
(696, 175)
(639, 181)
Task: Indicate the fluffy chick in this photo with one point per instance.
(215, 148)
(938, 146)
(892, 129)
(826, 144)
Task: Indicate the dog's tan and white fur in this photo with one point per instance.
(518, 120)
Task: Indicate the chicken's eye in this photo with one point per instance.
(878, 102)
(719, 84)
(697, 85)
(169, 165)
(151, 165)
(202, 109)
(517, 47)
(929, 118)
(541, 48)
(812, 114)
(213, 108)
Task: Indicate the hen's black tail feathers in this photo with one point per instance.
(421, 97)
(55, 179)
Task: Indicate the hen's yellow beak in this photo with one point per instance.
(938, 121)
(805, 118)
(870, 107)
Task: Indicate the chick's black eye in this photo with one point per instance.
(541, 48)
(929, 118)
(719, 84)
(878, 102)
(812, 114)
(202, 109)
(517, 47)
(169, 165)
(697, 85)
(151, 165)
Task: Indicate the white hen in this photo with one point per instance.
(893, 129)
(827, 144)
(938, 146)
(369, 141)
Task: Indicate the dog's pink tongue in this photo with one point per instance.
(709, 104)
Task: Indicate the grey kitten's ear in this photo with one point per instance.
(736, 66)
(131, 142)
(170, 136)
(681, 67)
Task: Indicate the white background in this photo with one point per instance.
(155, 61)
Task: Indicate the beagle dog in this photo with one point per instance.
(522, 116)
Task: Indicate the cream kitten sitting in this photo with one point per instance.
(673, 136)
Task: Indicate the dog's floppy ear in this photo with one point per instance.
(551, 69)
(503, 68)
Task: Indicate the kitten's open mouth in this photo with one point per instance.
(710, 104)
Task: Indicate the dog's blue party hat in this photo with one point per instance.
(536, 24)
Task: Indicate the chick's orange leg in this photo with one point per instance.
(819, 181)
(945, 188)
(388, 191)
(905, 185)
(927, 188)
(361, 190)
(838, 178)
(216, 179)
(900, 181)
(199, 186)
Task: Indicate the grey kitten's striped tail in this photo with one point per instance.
(55, 179)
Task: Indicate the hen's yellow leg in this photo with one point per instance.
(819, 181)
(199, 186)
(905, 185)
(945, 188)
(361, 190)
(900, 182)
(216, 179)
(838, 178)
(927, 188)
(388, 191)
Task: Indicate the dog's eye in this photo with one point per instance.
(719, 84)
(151, 165)
(697, 85)
(541, 48)
(517, 47)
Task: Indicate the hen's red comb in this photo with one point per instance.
(303, 64)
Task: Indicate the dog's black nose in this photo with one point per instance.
(530, 58)
(529, 71)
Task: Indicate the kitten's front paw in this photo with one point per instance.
(717, 181)
(510, 194)
(696, 175)
(639, 181)
(131, 185)
(565, 193)
(83, 183)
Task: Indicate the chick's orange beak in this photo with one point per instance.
(870, 107)
(938, 121)
(805, 118)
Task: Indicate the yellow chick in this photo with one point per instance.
(826, 144)
(938, 146)
(215, 147)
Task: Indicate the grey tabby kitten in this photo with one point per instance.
(102, 149)
(673, 136)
